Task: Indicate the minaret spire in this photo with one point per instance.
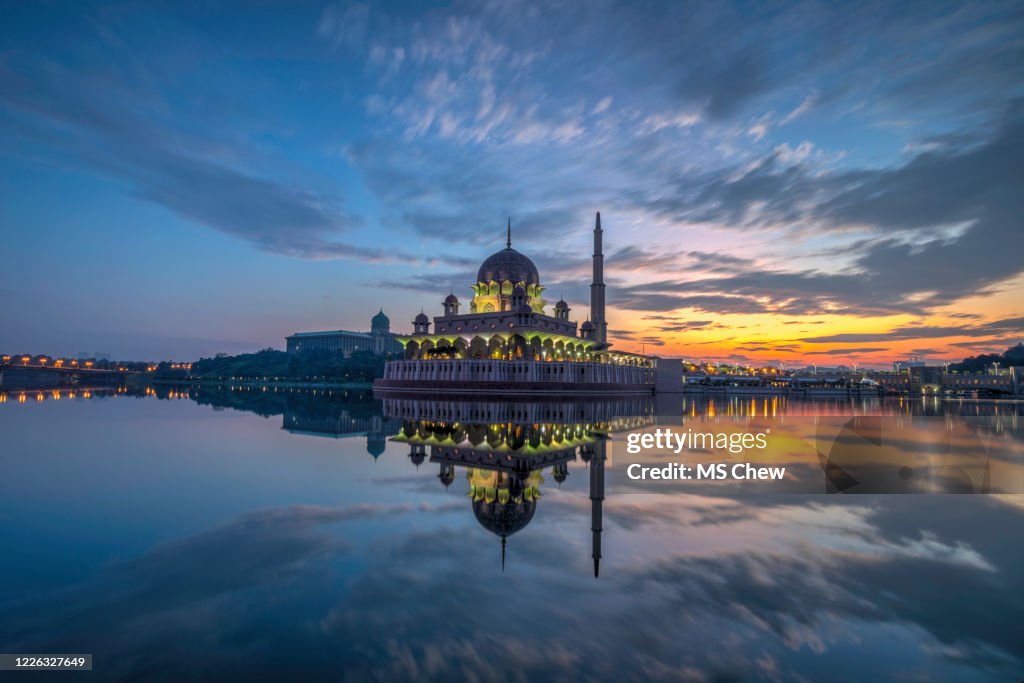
(508, 241)
(502, 553)
(597, 286)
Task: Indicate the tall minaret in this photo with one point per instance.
(597, 287)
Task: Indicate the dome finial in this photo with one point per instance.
(502, 553)
(508, 241)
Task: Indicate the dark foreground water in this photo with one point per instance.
(262, 535)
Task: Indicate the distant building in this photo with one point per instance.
(913, 362)
(378, 340)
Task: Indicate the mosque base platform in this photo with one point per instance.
(386, 387)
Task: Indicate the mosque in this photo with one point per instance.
(508, 342)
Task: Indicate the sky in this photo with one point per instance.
(787, 183)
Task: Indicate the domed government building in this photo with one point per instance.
(379, 340)
(511, 341)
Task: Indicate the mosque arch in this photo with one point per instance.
(476, 433)
(518, 347)
(495, 347)
(516, 439)
(536, 346)
(477, 348)
(496, 436)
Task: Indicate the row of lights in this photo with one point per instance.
(43, 361)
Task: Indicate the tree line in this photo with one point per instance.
(313, 365)
(1012, 356)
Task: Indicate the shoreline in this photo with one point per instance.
(285, 384)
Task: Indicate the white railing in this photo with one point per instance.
(516, 371)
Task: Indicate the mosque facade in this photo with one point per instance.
(508, 341)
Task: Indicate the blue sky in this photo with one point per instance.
(778, 182)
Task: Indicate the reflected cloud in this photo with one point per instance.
(705, 585)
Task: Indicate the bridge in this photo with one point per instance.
(40, 376)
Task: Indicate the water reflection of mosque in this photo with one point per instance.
(504, 447)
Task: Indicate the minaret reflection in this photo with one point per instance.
(505, 449)
(598, 454)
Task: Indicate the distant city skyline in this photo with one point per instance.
(794, 183)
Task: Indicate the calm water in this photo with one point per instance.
(262, 535)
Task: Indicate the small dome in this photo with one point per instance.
(508, 264)
(451, 299)
(561, 305)
(560, 475)
(380, 320)
(587, 325)
(421, 318)
(525, 308)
